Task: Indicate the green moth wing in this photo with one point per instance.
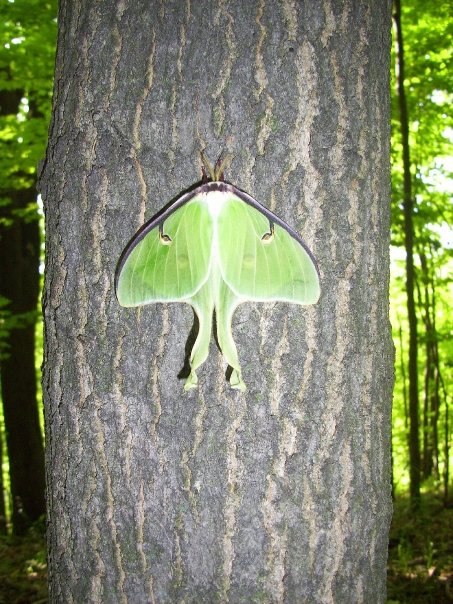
(167, 265)
(260, 259)
(214, 248)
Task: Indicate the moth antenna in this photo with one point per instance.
(221, 165)
(218, 172)
(207, 164)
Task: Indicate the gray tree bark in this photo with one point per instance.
(281, 494)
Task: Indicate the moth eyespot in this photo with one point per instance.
(267, 238)
(165, 239)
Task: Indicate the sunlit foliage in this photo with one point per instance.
(427, 31)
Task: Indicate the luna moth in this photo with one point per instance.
(215, 247)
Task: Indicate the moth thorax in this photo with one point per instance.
(215, 200)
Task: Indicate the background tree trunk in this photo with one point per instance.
(408, 210)
(281, 494)
(19, 283)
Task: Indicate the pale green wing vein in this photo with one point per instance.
(259, 272)
(287, 262)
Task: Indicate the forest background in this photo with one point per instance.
(420, 554)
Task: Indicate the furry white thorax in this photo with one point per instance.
(215, 200)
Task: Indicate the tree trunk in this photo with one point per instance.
(3, 522)
(19, 283)
(431, 401)
(408, 210)
(446, 475)
(282, 493)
